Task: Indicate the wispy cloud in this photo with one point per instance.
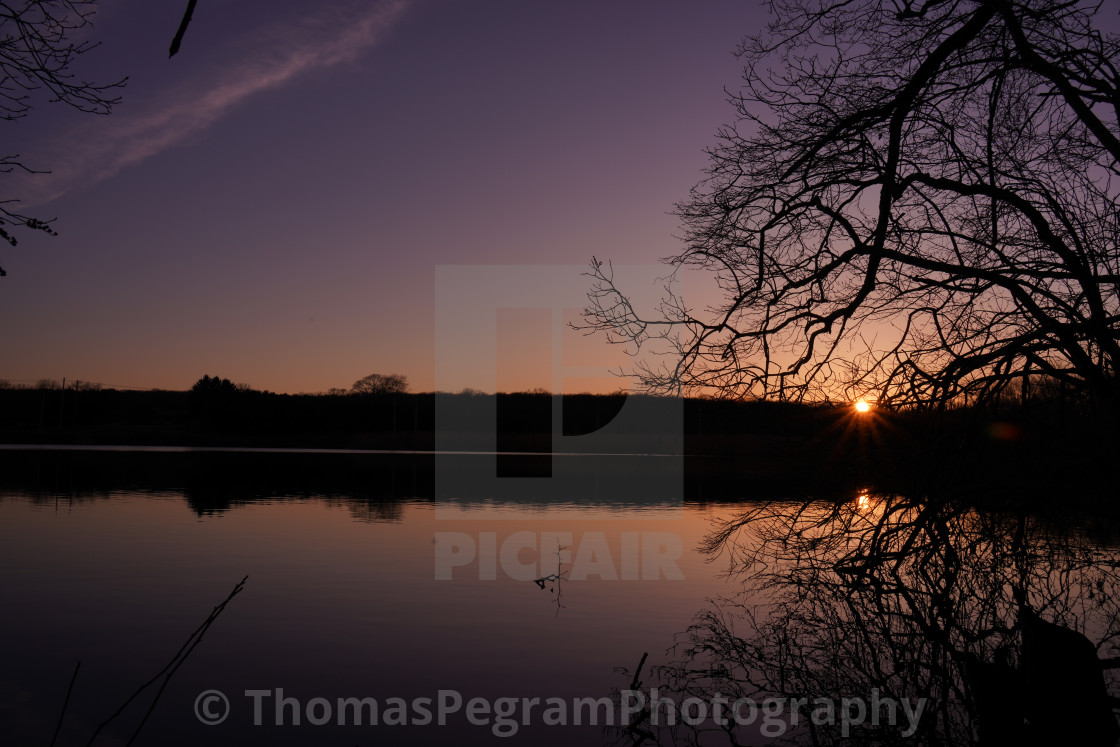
(271, 58)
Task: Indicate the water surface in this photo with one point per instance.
(361, 586)
(341, 601)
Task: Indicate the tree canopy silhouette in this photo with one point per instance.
(39, 43)
(217, 386)
(917, 202)
(380, 384)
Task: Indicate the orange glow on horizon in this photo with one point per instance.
(862, 406)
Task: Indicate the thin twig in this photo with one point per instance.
(171, 667)
(66, 702)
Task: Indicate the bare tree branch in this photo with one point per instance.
(178, 40)
(37, 53)
(917, 202)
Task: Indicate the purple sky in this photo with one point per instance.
(271, 204)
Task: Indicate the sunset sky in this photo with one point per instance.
(271, 204)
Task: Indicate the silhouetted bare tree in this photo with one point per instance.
(37, 51)
(918, 200)
(380, 384)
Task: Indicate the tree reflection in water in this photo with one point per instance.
(1007, 623)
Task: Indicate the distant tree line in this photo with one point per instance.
(1010, 441)
(75, 385)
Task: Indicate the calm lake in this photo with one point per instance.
(341, 601)
(378, 594)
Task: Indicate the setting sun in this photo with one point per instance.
(862, 406)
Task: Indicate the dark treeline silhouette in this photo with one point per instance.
(1004, 451)
(215, 412)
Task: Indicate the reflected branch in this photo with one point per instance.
(986, 615)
